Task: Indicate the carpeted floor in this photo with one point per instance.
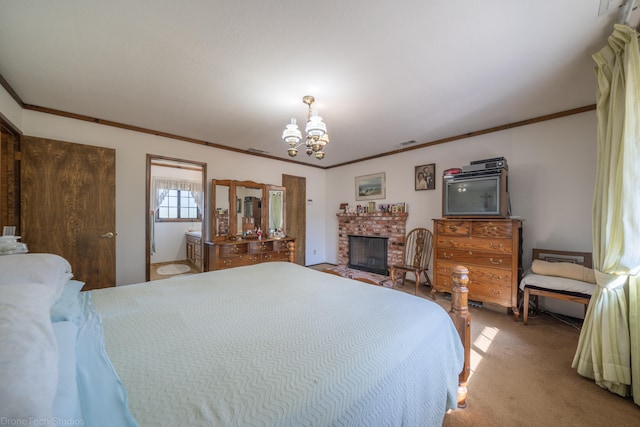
(522, 376)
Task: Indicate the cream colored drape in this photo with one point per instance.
(609, 349)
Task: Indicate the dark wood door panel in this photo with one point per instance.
(296, 213)
(68, 206)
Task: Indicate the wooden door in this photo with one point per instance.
(68, 195)
(296, 212)
(9, 177)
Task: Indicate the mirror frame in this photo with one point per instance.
(232, 208)
(233, 215)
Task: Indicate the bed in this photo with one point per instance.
(267, 344)
(564, 275)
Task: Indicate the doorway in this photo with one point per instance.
(176, 207)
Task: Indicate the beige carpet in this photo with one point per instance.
(522, 376)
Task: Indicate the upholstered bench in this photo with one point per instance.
(563, 275)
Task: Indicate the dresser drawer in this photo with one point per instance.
(281, 245)
(275, 256)
(495, 293)
(501, 229)
(475, 257)
(227, 251)
(469, 243)
(453, 227)
(238, 261)
(259, 247)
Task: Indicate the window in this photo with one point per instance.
(178, 205)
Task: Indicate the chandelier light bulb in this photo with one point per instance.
(315, 125)
(292, 134)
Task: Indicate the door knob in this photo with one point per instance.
(108, 235)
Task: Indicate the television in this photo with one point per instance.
(476, 194)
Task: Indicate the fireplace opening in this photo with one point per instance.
(368, 253)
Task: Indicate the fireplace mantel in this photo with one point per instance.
(382, 224)
(400, 216)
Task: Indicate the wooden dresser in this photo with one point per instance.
(489, 248)
(236, 253)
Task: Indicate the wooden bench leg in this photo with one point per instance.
(525, 306)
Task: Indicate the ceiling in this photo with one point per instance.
(233, 73)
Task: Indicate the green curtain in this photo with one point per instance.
(609, 349)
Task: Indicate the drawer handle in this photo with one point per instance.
(494, 292)
(236, 250)
(227, 262)
(447, 256)
(452, 227)
(494, 246)
(493, 276)
(495, 261)
(487, 229)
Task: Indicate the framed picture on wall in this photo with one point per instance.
(371, 187)
(425, 177)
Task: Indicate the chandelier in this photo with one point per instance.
(315, 129)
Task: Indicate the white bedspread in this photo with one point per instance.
(277, 344)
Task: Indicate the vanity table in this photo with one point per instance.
(240, 208)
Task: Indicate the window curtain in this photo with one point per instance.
(609, 349)
(160, 187)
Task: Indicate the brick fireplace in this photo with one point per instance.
(390, 225)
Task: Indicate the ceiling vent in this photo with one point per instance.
(257, 151)
(406, 143)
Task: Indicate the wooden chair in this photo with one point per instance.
(416, 256)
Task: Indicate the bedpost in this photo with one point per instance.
(462, 320)
(291, 247)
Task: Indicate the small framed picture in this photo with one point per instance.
(425, 177)
(371, 187)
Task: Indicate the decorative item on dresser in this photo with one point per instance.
(492, 251)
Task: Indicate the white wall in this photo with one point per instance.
(551, 181)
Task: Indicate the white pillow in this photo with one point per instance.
(48, 269)
(29, 355)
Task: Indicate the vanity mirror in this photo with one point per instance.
(249, 196)
(275, 205)
(221, 195)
